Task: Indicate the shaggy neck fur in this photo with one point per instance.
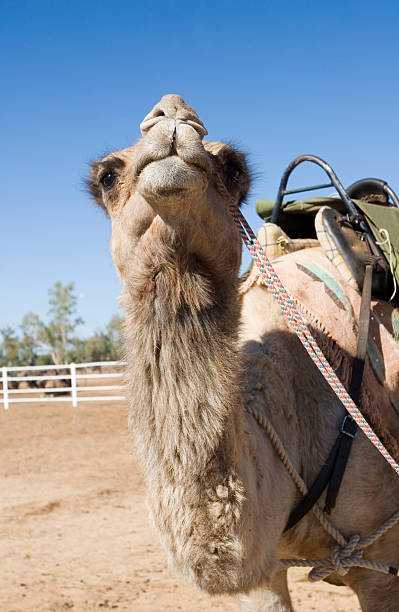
(181, 337)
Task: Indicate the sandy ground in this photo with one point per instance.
(74, 532)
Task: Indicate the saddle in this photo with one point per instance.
(350, 251)
(342, 236)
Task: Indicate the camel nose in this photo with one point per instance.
(173, 107)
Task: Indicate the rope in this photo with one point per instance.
(341, 561)
(297, 323)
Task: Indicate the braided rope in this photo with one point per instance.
(297, 323)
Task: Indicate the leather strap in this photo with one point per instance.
(315, 490)
(349, 431)
(364, 323)
(333, 470)
(344, 442)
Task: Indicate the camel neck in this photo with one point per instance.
(181, 346)
(187, 419)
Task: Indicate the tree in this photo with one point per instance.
(9, 347)
(114, 333)
(27, 353)
(63, 324)
(57, 336)
(40, 343)
(35, 332)
(97, 348)
(104, 345)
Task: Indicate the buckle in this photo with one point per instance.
(352, 427)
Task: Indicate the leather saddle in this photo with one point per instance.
(356, 252)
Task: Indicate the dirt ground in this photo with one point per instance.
(74, 532)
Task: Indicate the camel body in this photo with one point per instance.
(198, 354)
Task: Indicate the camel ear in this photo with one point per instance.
(93, 185)
(234, 168)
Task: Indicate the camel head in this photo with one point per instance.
(165, 186)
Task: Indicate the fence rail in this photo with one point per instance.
(71, 383)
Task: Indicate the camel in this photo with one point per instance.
(198, 353)
(54, 384)
(27, 384)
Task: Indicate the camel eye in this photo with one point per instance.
(108, 180)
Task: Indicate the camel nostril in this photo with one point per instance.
(152, 119)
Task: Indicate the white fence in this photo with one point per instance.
(71, 385)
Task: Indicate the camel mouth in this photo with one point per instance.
(172, 176)
(201, 163)
(170, 192)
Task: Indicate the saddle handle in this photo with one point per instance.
(372, 186)
(334, 182)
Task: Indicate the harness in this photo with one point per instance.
(348, 553)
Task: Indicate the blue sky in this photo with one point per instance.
(277, 78)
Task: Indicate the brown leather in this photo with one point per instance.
(356, 253)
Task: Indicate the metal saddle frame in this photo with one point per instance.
(353, 214)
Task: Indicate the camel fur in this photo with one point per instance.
(198, 351)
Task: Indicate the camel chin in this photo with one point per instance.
(171, 177)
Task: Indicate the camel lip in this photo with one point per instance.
(200, 164)
(169, 192)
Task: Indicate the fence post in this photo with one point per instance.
(74, 385)
(5, 388)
